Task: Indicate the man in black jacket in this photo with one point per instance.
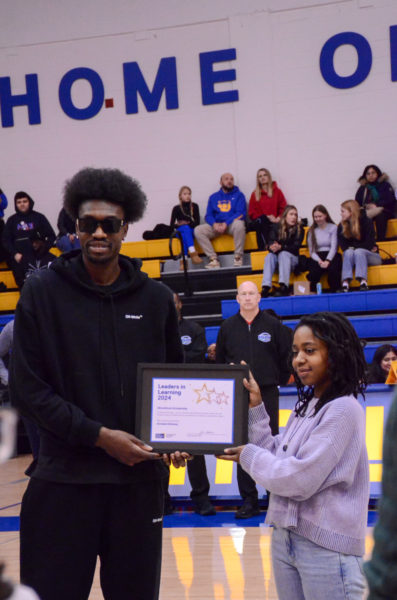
(264, 344)
(194, 347)
(81, 327)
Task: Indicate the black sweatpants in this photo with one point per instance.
(64, 527)
(334, 272)
(246, 484)
(197, 472)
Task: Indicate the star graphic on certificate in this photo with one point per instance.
(204, 394)
(221, 398)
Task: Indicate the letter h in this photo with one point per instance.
(30, 99)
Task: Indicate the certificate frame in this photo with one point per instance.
(213, 377)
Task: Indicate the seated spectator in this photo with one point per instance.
(266, 205)
(18, 232)
(67, 239)
(3, 206)
(376, 196)
(356, 237)
(42, 257)
(284, 245)
(185, 217)
(381, 363)
(211, 354)
(226, 212)
(322, 239)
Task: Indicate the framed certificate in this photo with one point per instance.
(200, 409)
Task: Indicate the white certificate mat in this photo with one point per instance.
(199, 408)
(192, 410)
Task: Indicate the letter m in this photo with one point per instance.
(135, 83)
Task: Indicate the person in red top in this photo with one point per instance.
(266, 206)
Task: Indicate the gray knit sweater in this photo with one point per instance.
(317, 470)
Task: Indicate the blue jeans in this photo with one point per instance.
(285, 262)
(65, 245)
(305, 571)
(187, 237)
(361, 259)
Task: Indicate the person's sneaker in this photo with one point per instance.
(213, 264)
(238, 260)
(196, 260)
(344, 288)
(205, 508)
(283, 290)
(363, 286)
(265, 291)
(247, 510)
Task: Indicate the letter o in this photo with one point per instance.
(65, 97)
(364, 59)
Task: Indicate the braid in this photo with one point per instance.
(346, 360)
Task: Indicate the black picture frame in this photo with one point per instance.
(147, 372)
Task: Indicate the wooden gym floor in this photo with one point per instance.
(204, 558)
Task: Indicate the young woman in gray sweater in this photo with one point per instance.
(322, 240)
(317, 468)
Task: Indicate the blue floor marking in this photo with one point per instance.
(189, 519)
(9, 523)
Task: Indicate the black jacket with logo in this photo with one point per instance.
(75, 354)
(264, 345)
(193, 341)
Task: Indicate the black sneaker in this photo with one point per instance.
(265, 291)
(205, 508)
(363, 286)
(247, 510)
(283, 290)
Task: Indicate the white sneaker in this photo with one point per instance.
(213, 264)
(238, 260)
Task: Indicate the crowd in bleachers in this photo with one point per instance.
(279, 230)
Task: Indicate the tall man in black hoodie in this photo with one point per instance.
(264, 344)
(81, 327)
(19, 232)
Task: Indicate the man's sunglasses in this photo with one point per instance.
(108, 225)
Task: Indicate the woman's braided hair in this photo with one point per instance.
(346, 360)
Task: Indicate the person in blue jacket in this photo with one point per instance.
(226, 212)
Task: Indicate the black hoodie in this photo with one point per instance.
(76, 347)
(22, 225)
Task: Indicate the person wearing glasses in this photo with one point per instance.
(18, 233)
(81, 327)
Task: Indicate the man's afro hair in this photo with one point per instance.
(110, 185)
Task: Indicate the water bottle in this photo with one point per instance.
(319, 288)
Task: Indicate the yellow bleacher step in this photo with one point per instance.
(225, 243)
(8, 300)
(150, 248)
(377, 276)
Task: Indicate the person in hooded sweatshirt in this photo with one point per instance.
(226, 212)
(81, 327)
(18, 232)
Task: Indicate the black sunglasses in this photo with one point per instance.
(108, 225)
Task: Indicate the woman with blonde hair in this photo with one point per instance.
(356, 237)
(185, 217)
(266, 206)
(284, 245)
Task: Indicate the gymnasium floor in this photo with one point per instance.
(204, 558)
